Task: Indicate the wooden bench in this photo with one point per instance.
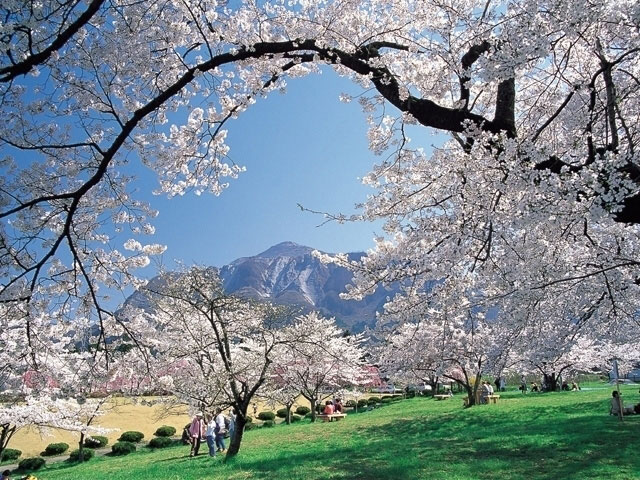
(442, 397)
(330, 418)
(493, 398)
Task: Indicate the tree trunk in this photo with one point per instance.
(312, 401)
(289, 414)
(551, 382)
(234, 446)
(81, 448)
(6, 432)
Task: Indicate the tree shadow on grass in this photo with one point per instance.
(555, 442)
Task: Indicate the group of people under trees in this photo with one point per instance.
(617, 406)
(333, 406)
(213, 429)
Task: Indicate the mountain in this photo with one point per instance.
(288, 274)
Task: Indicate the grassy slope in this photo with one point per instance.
(538, 436)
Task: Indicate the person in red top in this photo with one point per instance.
(328, 408)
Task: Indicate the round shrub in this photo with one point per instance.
(165, 431)
(362, 403)
(87, 454)
(32, 463)
(95, 441)
(56, 448)
(302, 410)
(350, 403)
(250, 426)
(160, 442)
(10, 454)
(133, 437)
(269, 423)
(264, 416)
(373, 400)
(123, 448)
(282, 413)
(309, 415)
(386, 400)
(295, 418)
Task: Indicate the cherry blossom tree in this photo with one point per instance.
(319, 359)
(539, 100)
(209, 348)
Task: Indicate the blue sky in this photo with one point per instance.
(303, 147)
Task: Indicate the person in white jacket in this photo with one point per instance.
(220, 430)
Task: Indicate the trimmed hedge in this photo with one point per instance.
(373, 400)
(282, 413)
(160, 442)
(249, 419)
(10, 454)
(87, 454)
(386, 400)
(295, 418)
(123, 448)
(362, 403)
(302, 410)
(133, 437)
(266, 416)
(269, 423)
(350, 403)
(34, 463)
(56, 449)
(96, 441)
(165, 431)
(250, 426)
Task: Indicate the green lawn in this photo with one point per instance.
(537, 436)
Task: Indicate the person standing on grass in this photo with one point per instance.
(197, 432)
(220, 430)
(523, 384)
(211, 435)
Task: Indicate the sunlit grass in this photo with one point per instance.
(542, 436)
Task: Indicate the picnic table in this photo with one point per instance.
(331, 417)
(442, 397)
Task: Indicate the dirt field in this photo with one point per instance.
(124, 414)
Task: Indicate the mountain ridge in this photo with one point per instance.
(288, 274)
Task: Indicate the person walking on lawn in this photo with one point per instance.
(197, 432)
(220, 430)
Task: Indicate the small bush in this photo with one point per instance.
(302, 410)
(87, 454)
(96, 441)
(165, 431)
(264, 416)
(362, 403)
(249, 419)
(350, 403)
(32, 463)
(386, 400)
(250, 426)
(56, 448)
(160, 442)
(10, 454)
(282, 413)
(373, 400)
(123, 448)
(269, 423)
(295, 418)
(309, 415)
(133, 437)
